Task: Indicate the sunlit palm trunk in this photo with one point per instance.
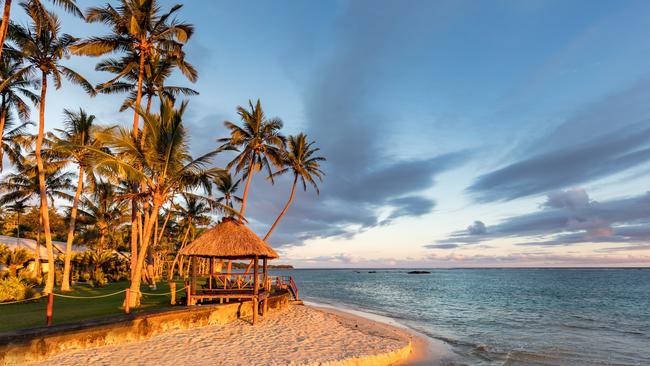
(49, 284)
(3, 118)
(251, 170)
(142, 253)
(134, 204)
(134, 236)
(5, 23)
(37, 247)
(65, 282)
(286, 207)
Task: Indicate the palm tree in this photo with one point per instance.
(16, 141)
(300, 160)
(156, 71)
(195, 209)
(162, 163)
(42, 47)
(11, 96)
(22, 186)
(74, 139)
(228, 188)
(139, 29)
(67, 5)
(18, 208)
(260, 142)
(103, 211)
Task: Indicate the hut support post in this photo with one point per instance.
(255, 289)
(265, 279)
(210, 269)
(193, 276)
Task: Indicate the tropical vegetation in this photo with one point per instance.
(122, 201)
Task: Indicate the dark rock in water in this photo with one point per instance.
(358, 271)
(418, 272)
(372, 271)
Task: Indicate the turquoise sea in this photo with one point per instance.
(504, 316)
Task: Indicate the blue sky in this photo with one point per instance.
(458, 133)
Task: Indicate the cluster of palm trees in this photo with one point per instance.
(134, 178)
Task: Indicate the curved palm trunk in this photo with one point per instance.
(3, 118)
(251, 170)
(49, 284)
(65, 282)
(5, 24)
(286, 207)
(284, 210)
(170, 275)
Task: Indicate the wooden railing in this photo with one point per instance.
(285, 282)
(244, 281)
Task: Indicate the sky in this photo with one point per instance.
(457, 133)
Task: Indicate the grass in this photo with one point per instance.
(32, 314)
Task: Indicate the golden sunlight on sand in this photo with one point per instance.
(297, 335)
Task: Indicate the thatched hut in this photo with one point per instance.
(231, 240)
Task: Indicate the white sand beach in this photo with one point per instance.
(297, 335)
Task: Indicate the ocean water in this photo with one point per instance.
(505, 316)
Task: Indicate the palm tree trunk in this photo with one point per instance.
(170, 276)
(49, 284)
(3, 118)
(37, 247)
(134, 236)
(65, 282)
(5, 24)
(251, 170)
(286, 207)
(160, 233)
(138, 96)
(136, 280)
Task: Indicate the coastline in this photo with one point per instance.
(425, 351)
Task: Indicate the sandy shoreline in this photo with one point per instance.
(297, 335)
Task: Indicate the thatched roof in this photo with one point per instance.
(231, 240)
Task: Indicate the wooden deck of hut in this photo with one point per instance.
(231, 240)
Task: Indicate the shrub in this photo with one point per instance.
(99, 280)
(13, 289)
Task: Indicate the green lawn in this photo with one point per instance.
(32, 314)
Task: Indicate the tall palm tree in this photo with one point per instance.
(12, 94)
(138, 28)
(67, 5)
(227, 187)
(259, 142)
(299, 159)
(76, 135)
(163, 163)
(194, 209)
(42, 47)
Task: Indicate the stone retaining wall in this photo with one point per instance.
(41, 343)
